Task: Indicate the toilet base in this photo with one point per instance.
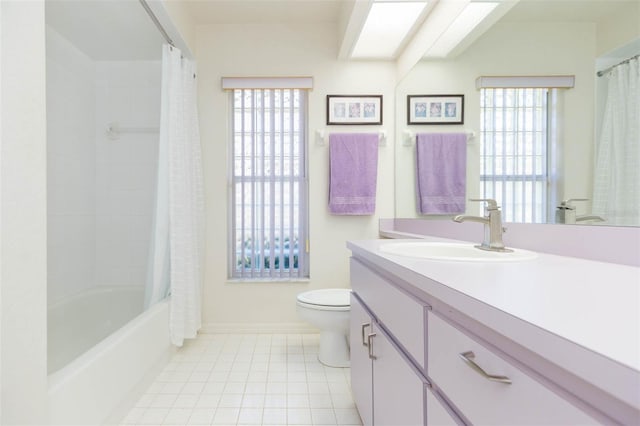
(334, 349)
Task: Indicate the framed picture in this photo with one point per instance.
(360, 109)
(435, 109)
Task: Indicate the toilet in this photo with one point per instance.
(328, 310)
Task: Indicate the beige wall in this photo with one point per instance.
(177, 21)
(619, 29)
(283, 50)
(23, 263)
(509, 49)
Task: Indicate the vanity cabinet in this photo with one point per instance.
(438, 412)
(418, 361)
(386, 387)
(486, 388)
(361, 365)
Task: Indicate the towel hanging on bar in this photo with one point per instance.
(441, 168)
(353, 164)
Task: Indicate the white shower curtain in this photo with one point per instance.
(616, 187)
(176, 254)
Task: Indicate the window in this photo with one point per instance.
(268, 184)
(514, 152)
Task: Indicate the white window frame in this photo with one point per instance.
(270, 132)
(526, 183)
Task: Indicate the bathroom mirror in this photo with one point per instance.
(533, 38)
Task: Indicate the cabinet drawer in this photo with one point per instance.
(401, 314)
(482, 401)
(437, 414)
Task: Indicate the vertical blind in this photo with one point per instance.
(514, 151)
(269, 185)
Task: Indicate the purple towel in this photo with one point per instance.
(441, 172)
(353, 163)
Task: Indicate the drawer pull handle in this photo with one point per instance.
(370, 341)
(468, 357)
(364, 339)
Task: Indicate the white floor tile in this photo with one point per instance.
(202, 416)
(186, 401)
(297, 388)
(254, 400)
(208, 400)
(276, 388)
(230, 400)
(299, 416)
(153, 416)
(342, 400)
(320, 401)
(250, 416)
(274, 416)
(323, 416)
(275, 401)
(192, 388)
(297, 401)
(177, 416)
(347, 416)
(134, 416)
(163, 401)
(244, 379)
(225, 416)
(171, 388)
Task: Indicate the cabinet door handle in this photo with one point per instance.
(468, 357)
(370, 344)
(364, 339)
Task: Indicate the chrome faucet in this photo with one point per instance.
(566, 213)
(492, 226)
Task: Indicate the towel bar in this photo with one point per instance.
(409, 138)
(114, 131)
(322, 138)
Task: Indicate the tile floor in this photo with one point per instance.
(247, 379)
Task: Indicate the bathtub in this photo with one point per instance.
(112, 347)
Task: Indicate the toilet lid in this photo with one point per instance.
(326, 297)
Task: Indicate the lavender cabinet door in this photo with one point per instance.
(398, 392)
(361, 368)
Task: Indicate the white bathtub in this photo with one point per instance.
(98, 382)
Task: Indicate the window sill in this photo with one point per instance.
(268, 281)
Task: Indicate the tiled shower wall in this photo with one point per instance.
(127, 93)
(100, 190)
(71, 159)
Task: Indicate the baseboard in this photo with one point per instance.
(258, 328)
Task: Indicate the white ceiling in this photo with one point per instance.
(247, 11)
(265, 11)
(121, 29)
(566, 10)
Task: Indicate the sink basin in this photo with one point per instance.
(458, 252)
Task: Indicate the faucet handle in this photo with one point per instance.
(491, 203)
(566, 204)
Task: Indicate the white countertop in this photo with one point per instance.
(594, 305)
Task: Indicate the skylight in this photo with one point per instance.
(472, 15)
(386, 27)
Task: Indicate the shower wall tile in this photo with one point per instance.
(100, 190)
(129, 94)
(71, 195)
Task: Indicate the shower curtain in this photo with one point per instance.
(616, 188)
(177, 245)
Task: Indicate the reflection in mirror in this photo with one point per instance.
(535, 38)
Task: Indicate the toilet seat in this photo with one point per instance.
(329, 299)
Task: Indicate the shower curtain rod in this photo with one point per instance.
(607, 70)
(156, 22)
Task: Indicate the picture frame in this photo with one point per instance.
(435, 109)
(354, 109)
